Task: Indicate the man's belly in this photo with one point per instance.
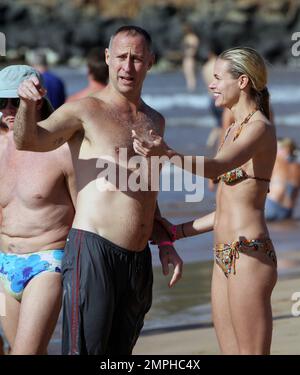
(29, 231)
(125, 218)
(22, 245)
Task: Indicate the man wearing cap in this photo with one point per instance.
(37, 200)
(107, 270)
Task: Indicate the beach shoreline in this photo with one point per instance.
(201, 340)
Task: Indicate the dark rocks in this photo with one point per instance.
(70, 30)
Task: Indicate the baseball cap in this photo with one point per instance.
(12, 76)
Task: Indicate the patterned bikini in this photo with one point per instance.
(226, 254)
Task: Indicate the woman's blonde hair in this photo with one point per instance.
(245, 60)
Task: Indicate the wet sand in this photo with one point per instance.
(202, 339)
(199, 338)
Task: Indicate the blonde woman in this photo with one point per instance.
(245, 269)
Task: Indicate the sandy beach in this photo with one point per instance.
(201, 339)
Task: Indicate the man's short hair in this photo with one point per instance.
(97, 66)
(133, 30)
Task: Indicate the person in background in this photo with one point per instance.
(189, 63)
(54, 85)
(97, 74)
(285, 183)
(208, 75)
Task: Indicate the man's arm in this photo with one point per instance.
(45, 135)
(167, 253)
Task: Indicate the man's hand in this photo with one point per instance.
(151, 145)
(168, 255)
(167, 225)
(31, 90)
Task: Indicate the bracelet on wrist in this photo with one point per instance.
(165, 243)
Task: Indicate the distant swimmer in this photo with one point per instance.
(191, 44)
(208, 75)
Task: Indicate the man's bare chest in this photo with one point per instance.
(114, 131)
(29, 177)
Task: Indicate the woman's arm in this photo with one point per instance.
(191, 228)
(250, 141)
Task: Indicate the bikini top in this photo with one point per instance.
(237, 174)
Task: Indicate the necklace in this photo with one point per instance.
(238, 131)
(246, 119)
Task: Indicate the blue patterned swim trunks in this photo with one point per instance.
(16, 270)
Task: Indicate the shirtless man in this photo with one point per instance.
(107, 271)
(37, 195)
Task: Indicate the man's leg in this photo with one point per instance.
(133, 306)
(88, 294)
(9, 322)
(39, 312)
